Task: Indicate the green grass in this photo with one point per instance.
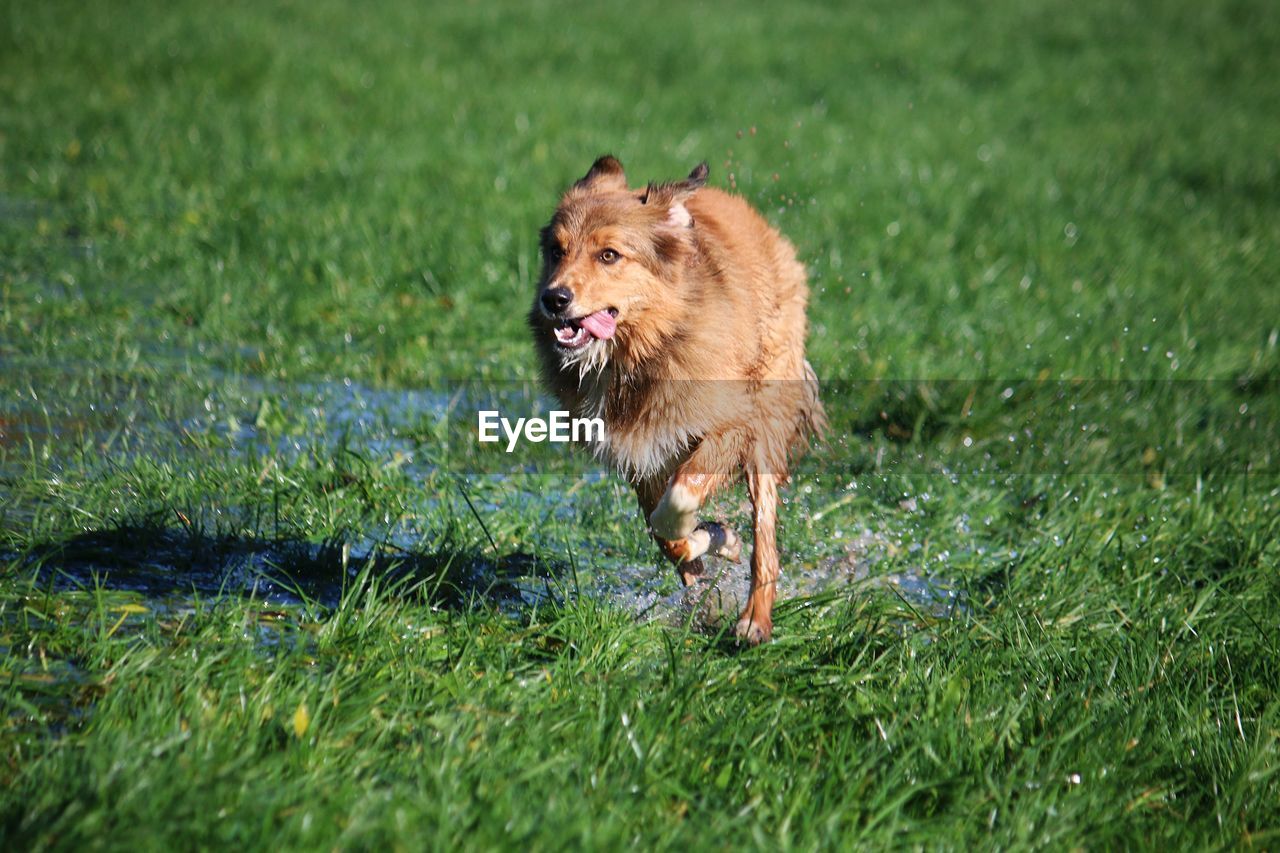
(257, 589)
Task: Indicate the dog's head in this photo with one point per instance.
(612, 268)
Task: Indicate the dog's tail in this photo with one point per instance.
(811, 422)
(814, 416)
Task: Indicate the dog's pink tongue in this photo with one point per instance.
(600, 324)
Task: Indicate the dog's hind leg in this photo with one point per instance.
(755, 625)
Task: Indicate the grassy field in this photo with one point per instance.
(259, 260)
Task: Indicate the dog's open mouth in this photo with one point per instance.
(572, 334)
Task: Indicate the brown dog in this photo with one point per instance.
(677, 314)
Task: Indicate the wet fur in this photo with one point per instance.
(705, 380)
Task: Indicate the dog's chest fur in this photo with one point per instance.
(650, 425)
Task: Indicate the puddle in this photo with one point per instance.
(177, 568)
(188, 415)
(855, 572)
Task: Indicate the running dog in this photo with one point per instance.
(676, 314)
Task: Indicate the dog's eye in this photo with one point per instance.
(554, 253)
(609, 256)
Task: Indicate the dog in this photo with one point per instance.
(676, 313)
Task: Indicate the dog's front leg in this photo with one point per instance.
(709, 537)
(755, 625)
(673, 520)
(649, 493)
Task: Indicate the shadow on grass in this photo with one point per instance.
(160, 561)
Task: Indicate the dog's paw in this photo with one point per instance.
(724, 541)
(686, 550)
(691, 573)
(753, 632)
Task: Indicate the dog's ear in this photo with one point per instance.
(672, 196)
(698, 176)
(605, 174)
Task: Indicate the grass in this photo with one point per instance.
(258, 589)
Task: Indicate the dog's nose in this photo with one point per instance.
(556, 299)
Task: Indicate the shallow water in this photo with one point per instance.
(177, 568)
(146, 416)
